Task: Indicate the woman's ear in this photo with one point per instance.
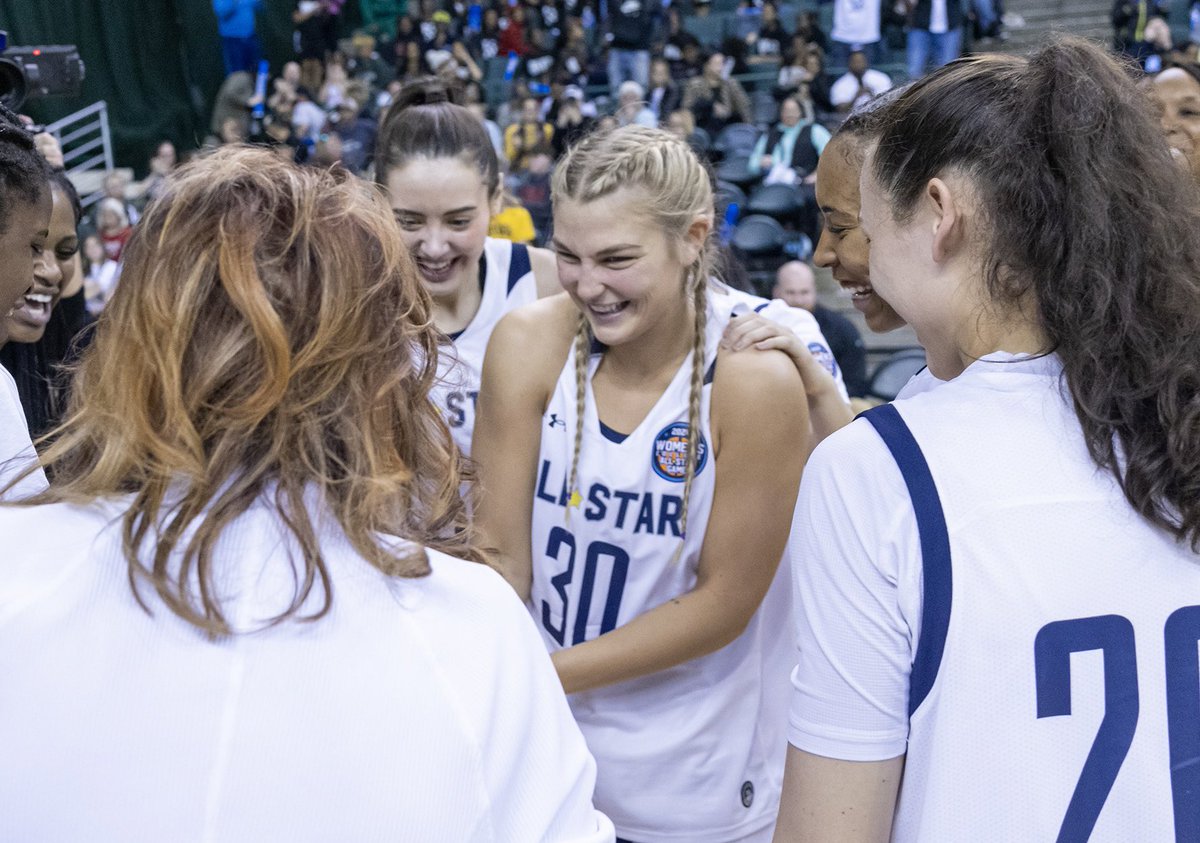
(945, 199)
(496, 201)
(695, 238)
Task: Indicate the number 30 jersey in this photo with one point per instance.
(694, 752)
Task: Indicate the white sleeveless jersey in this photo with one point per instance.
(694, 752)
(508, 283)
(727, 301)
(1033, 642)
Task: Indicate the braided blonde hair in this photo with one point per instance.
(678, 188)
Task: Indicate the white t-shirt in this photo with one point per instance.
(855, 22)
(988, 650)
(938, 22)
(16, 449)
(845, 89)
(417, 709)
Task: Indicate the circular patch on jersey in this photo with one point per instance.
(669, 458)
(823, 356)
(747, 794)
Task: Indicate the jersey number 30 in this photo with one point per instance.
(1113, 636)
(597, 552)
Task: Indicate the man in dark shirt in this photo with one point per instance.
(795, 284)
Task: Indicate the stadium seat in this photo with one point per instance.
(780, 201)
(737, 171)
(759, 236)
(736, 140)
(709, 30)
(726, 194)
(892, 374)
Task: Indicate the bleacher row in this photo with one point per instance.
(722, 22)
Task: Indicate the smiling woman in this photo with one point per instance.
(638, 487)
(442, 178)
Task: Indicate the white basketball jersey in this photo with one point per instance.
(729, 302)
(508, 283)
(1054, 692)
(694, 752)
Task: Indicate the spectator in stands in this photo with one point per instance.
(116, 186)
(237, 28)
(100, 274)
(572, 122)
(631, 106)
(574, 56)
(678, 41)
(855, 28)
(357, 134)
(1177, 90)
(788, 153)
(512, 221)
(513, 35)
(683, 123)
(767, 42)
(631, 32)
(796, 285)
(808, 27)
(528, 136)
(531, 187)
(714, 100)
(1129, 19)
(233, 102)
(316, 30)
(934, 34)
(367, 66)
(861, 83)
(406, 33)
(489, 34)
(161, 165)
(664, 95)
(308, 118)
(803, 76)
(333, 91)
(113, 227)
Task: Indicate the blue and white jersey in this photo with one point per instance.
(508, 283)
(727, 301)
(694, 752)
(975, 593)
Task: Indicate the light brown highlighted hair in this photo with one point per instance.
(269, 343)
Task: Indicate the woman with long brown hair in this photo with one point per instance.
(237, 601)
(999, 584)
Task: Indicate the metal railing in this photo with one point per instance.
(86, 144)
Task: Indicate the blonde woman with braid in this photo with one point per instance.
(659, 479)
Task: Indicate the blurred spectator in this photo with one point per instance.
(113, 227)
(489, 34)
(333, 91)
(631, 106)
(809, 29)
(571, 123)
(512, 222)
(664, 96)
(116, 186)
(239, 39)
(100, 274)
(768, 41)
(233, 102)
(164, 161)
(406, 34)
(788, 153)
(528, 137)
(233, 131)
(631, 33)
(680, 41)
(575, 57)
(308, 118)
(532, 190)
(934, 32)
(514, 40)
(494, 133)
(859, 84)
(438, 49)
(460, 68)
(357, 136)
(367, 66)
(316, 37)
(1177, 94)
(1129, 19)
(855, 27)
(803, 76)
(795, 284)
(714, 100)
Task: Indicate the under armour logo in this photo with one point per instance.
(555, 421)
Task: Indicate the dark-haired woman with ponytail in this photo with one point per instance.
(442, 176)
(998, 582)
